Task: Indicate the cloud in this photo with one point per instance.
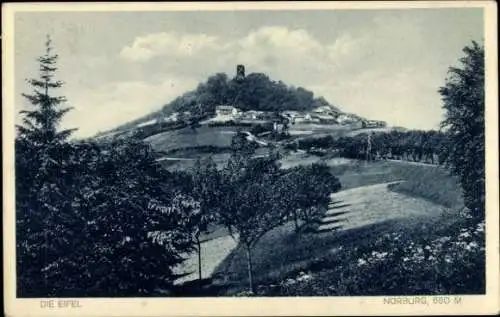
(284, 53)
(168, 44)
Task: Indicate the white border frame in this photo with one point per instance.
(280, 306)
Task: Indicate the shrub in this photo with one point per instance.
(397, 265)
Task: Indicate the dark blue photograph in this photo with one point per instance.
(257, 153)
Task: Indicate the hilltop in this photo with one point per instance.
(254, 92)
(203, 121)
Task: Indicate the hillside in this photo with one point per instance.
(255, 91)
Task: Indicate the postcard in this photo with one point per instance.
(250, 159)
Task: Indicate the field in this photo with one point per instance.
(377, 198)
(430, 182)
(367, 212)
(187, 137)
(427, 181)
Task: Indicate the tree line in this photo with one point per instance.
(417, 146)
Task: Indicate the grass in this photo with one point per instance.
(282, 253)
(203, 136)
(375, 203)
(211, 252)
(433, 187)
(430, 182)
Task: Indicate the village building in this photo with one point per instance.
(308, 118)
(346, 118)
(325, 118)
(174, 117)
(253, 114)
(226, 113)
(224, 110)
(326, 110)
(373, 124)
(278, 127)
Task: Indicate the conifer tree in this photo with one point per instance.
(41, 179)
(40, 124)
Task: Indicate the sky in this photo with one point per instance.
(117, 66)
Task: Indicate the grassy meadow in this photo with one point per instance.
(418, 206)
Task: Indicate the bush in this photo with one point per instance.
(316, 142)
(447, 265)
(261, 128)
(397, 265)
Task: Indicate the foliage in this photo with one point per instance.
(40, 125)
(463, 101)
(115, 226)
(207, 191)
(420, 146)
(252, 202)
(41, 172)
(241, 147)
(229, 123)
(259, 196)
(446, 265)
(395, 264)
(317, 142)
(307, 190)
(251, 206)
(261, 128)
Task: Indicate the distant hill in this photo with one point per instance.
(253, 92)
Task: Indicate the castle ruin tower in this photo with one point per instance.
(240, 72)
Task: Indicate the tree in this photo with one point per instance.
(92, 219)
(41, 171)
(135, 223)
(308, 190)
(40, 124)
(252, 203)
(119, 227)
(241, 147)
(463, 102)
